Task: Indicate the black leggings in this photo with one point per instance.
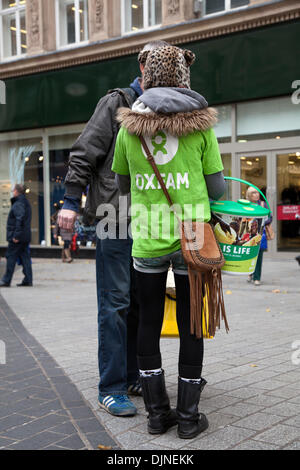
(151, 294)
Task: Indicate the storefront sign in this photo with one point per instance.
(288, 212)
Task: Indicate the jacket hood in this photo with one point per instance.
(178, 111)
(172, 100)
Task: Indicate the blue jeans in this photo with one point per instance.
(161, 264)
(117, 316)
(15, 251)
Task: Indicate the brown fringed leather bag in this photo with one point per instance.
(204, 259)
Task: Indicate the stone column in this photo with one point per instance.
(40, 26)
(104, 19)
(177, 11)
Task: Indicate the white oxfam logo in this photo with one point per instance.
(163, 147)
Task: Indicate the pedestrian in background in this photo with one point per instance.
(253, 196)
(18, 235)
(90, 166)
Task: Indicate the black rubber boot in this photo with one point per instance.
(190, 421)
(161, 417)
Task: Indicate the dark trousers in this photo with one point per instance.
(117, 316)
(15, 251)
(257, 273)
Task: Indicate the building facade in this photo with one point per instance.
(58, 57)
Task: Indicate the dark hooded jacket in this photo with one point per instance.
(19, 220)
(92, 154)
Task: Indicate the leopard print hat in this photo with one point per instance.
(167, 66)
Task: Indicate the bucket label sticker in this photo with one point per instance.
(239, 239)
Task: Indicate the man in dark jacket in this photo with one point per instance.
(18, 236)
(90, 165)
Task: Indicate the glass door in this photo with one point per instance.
(253, 168)
(288, 200)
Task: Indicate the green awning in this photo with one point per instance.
(243, 66)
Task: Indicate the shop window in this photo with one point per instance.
(13, 33)
(223, 127)
(254, 170)
(71, 22)
(59, 150)
(215, 6)
(267, 119)
(141, 14)
(226, 159)
(22, 162)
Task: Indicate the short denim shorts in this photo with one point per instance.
(161, 264)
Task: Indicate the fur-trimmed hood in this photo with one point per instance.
(178, 111)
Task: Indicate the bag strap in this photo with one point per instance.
(151, 160)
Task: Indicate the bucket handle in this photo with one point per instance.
(252, 185)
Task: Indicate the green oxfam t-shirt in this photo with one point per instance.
(182, 162)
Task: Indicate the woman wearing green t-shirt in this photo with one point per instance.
(176, 124)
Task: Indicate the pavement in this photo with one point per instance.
(48, 386)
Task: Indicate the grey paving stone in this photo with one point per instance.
(43, 409)
(5, 443)
(73, 442)
(81, 412)
(241, 409)
(254, 445)
(44, 394)
(295, 421)
(285, 392)
(293, 446)
(24, 374)
(218, 420)
(37, 442)
(218, 402)
(53, 447)
(12, 421)
(34, 427)
(90, 425)
(36, 381)
(101, 438)
(287, 409)
(65, 428)
(246, 392)
(18, 395)
(150, 446)
(258, 421)
(131, 439)
(19, 406)
(271, 384)
(168, 440)
(280, 435)
(222, 439)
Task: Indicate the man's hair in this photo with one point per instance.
(20, 188)
(150, 46)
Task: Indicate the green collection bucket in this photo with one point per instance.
(238, 227)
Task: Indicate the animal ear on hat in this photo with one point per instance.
(189, 57)
(142, 57)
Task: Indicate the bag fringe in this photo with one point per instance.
(209, 285)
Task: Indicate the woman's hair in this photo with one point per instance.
(249, 191)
